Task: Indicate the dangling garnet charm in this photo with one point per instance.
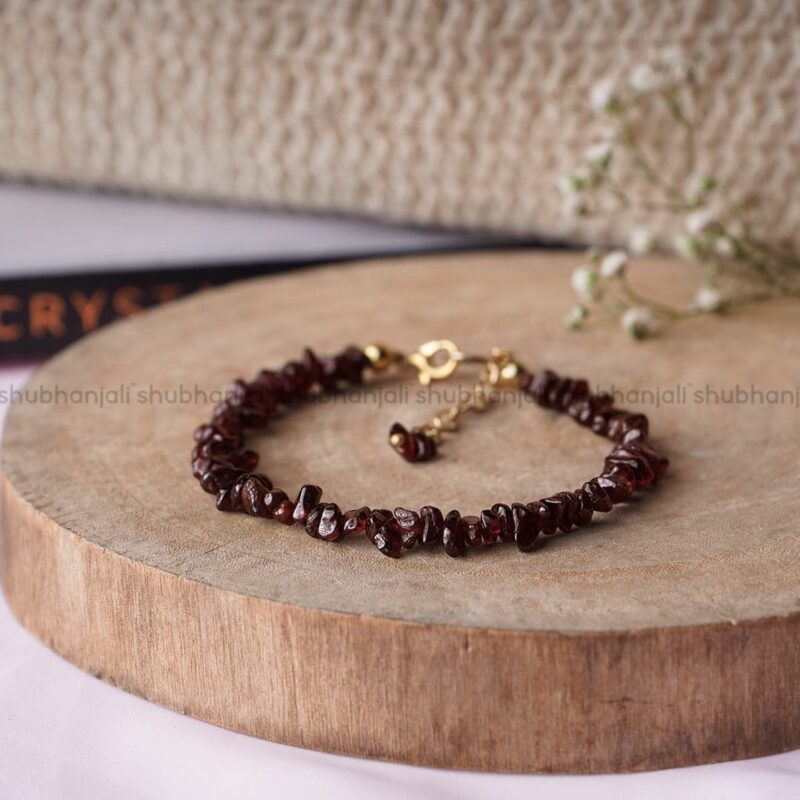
(412, 445)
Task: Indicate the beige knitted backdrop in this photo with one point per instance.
(457, 113)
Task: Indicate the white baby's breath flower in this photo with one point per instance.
(598, 154)
(638, 322)
(585, 283)
(575, 317)
(574, 205)
(575, 183)
(566, 185)
(724, 246)
(646, 78)
(687, 246)
(699, 186)
(735, 228)
(708, 298)
(700, 221)
(593, 255)
(603, 95)
(641, 241)
(673, 61)
(614, 263)
(666, 71)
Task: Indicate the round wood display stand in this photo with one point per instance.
(666, 634)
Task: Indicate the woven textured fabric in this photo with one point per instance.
(433, 111)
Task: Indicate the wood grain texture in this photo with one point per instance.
(667, 634)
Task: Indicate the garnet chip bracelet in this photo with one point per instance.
(225, 469)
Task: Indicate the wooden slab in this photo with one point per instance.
(665, 635)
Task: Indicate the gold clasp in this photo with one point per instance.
(502, 370)
(428, 360)
(438, 359)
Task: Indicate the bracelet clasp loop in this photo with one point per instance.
(502, 370)
(436, 360)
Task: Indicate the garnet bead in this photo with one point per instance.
(355, 520)
(283, 512)
(208, 433)
(312, 366)
(254, 492)
(296, 380)
(599, 422)
(554, 520)
(228, 423)
(425, 446)
(622, 423)
(329, 527)
(657, 462)
(546, 517)
(226, 419)
(350, 365)
(248, 403)
(491, 526)
(617, 488)
(623, 473)
(569, 507)
(307, 498)
(597, 496)
(330, 377)
(413, 446)
(638, 463)
(584, 511)
(473, 533)
(526, 528)
(200, 466)
(202, 432)
(272, 387)
(273, 500)
(384, 533)
(633, 435)
(506, 521)
(552, 391)
(225, 501)
(432, 523)
(377, 517)
(578, 390)
(400, 439)
(230, 498)
(540, 384)
(584, 411)
(453, 534)
(217, 445)
(244, 459)
(219, 476)
(409, 524)
(325, 522)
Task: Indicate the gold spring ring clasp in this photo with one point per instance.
(428, 360)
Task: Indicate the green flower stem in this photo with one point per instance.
(762, 263)
(640, 161)
(664, 309)
(675, 108)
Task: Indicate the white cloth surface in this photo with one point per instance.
(46, 230)
(65, 734)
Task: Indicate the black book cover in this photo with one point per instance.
(40, 315)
